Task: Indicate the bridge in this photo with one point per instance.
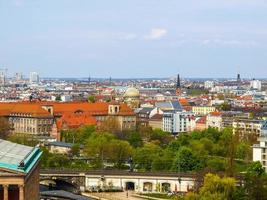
(122, 180)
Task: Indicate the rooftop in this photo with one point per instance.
(18, 157)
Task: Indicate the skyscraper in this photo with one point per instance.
(34, 77)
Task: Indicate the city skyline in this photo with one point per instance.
(134, 39)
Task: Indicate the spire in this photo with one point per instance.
(178, 84)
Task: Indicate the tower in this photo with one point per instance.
(178, 86)
(238, 80)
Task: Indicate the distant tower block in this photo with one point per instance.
(238, 78)
(178, 86)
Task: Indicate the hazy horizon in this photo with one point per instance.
(134, 38)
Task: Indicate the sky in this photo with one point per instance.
(134, 38)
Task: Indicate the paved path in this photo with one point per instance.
(114, 195)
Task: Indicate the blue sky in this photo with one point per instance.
(134, 38)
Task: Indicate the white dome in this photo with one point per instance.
(132, 92)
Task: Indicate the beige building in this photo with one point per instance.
(156, 121)
(19, 171)
(203, 110)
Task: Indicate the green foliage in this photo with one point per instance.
(216, 163)
(144, 156)
(215, 188)
(256, 182)
(75, 150)
(58, 98)
(243, 151)
(78, 136)
(186, 160)
(22, 138)
(91, 99)
(105, 147)
(196, 92)
(134, 138)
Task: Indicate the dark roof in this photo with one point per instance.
(145, 110)
(156, 117)
(63, 194)
(61, 144)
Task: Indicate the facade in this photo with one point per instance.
(255, 84)
(209, 84)
(155, 122)
(177, 122)
(203, 110)
(19, 171)
(214, 120)
(249, 127)
(260, 152)
(34, 77)
(48, 119)
(143, 115)
(141, 182)
(201, 123)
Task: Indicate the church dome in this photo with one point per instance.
(131, 92)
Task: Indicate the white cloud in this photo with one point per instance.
(220, 42)
(156, 34)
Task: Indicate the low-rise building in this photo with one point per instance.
(203, 110)
(214, 120)
(177, 122)
(260, 152)
(249, 127)
(156, 121)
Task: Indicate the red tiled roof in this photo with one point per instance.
(73, 120)
(202, 120)
(216, 113)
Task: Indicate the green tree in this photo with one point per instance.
(91, 99)
(97, 147)
(58, 98)
(215, 188)
(75, 150)
(120, 152)
(144, 156)
(256, 182)
(5, 128)
(186, 160)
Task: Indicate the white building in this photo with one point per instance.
(209, 84)
(178, 121)
(255, 84)
(34, 77)
(260, 150)
(214, 120)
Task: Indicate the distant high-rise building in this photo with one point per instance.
(209, 84)
(2, 78)
(238, 79)
(18, 77)
(255, 84)
(34, 77)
